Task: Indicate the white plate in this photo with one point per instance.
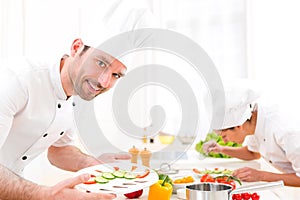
(118, 185)
(218, 171)
(181, 193)
(177, 186)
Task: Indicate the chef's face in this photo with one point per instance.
(95, 72)
(234, 134)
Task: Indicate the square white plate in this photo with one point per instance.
(118, 185)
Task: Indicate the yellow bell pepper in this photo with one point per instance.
(160, 191)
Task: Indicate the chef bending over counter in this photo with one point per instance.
(265, 131)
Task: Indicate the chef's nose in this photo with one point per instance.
(220, 133)
(105, 78)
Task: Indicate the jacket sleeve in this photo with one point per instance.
(291, 145)
(13, 98)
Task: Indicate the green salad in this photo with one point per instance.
(219, 140)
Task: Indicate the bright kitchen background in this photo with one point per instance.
(253, 39)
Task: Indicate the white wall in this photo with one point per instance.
(256, 39)
(274, 46)
(48, 27)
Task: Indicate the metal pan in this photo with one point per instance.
(219, 191)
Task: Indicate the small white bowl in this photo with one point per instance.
(181, 193)
(177, 186)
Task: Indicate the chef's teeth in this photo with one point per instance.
(94, 87)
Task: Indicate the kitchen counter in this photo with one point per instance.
(191, 159)
(264, 195)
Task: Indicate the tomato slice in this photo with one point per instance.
(143, 175)
(207, 178)
(116, 168)
(134, 195)
(225, 180)
(90, 181)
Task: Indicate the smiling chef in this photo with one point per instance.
(271, 134)
(36, 114)
(36, 107)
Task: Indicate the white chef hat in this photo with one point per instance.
(116, 17)
(238, 105)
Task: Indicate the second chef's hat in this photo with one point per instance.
(238, 105)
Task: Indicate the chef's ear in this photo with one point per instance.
(76, 45)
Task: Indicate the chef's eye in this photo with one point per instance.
(116, 75)
(101, 63)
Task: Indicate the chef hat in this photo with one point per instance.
(116, 17)
(238, 105)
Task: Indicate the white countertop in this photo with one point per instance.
(36, 172)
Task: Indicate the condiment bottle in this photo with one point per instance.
(145, 156)
(134, 154)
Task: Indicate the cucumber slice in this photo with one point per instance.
(129, 176)
(108, 175)
(119, 174)
(101, 180)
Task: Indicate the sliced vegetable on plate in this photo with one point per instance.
(212, 171)
(185, 179)
(135, 194)
(181, 181)
(225, 179)
(117, 178)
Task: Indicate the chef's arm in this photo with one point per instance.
(239, 152)
(70, 158)
(14, 187)
(249, 175)
(288, 179)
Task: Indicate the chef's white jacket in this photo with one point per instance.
(34, 112)
(277, 139)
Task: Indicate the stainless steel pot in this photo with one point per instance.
(219, 191)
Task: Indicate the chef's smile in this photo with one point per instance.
(94, 88)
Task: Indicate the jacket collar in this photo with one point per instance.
(56, 81)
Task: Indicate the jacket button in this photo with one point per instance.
(45, 135)
(59, 106)
(264, 139)
(62, 133)
(24, 158)
(73, 104)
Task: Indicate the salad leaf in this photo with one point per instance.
(214, 136)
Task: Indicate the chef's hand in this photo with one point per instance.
(65, 190)
(112, 157)
(248, 174)
(212, 146)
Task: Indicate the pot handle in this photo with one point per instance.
(255, 187)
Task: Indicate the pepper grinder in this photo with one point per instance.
(134, 154)
(145, 156)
